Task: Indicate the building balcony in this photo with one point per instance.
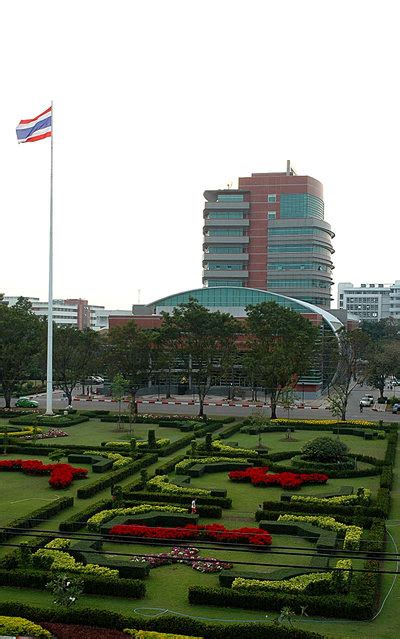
(225, 239)
(224, 274)
(227, 206)
(227, 223)
(225, 257)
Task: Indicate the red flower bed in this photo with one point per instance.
(216, 532)
(61, 475)
(260, 477)
(63, 631)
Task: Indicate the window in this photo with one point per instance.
(224, 283)
(225, 215)
(271, 215)
(224, 232)
(230, 197)
(271, 197)
(295, 205)
(225, 249)
(296, 248)
(297, 230)
(216, 266)
(299, 283)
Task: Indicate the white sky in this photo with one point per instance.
(155, 101)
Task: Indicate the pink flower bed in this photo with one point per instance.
(61, 475)
(259, 477)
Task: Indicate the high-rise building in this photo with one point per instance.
(270, 234)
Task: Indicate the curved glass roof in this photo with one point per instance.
(231, 296)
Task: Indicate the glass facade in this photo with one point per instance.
(230, 197)
(218, 266)
(224, 283)
(225, 215)
(307, 230)
(309, 283)
(224, 232)
(225, 249)
(294, 266)
(295, 205)
(296, 248)
(230, 296)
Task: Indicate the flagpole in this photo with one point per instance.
(49, 387)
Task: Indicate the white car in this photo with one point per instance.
(367, 400)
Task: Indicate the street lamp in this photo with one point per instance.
(302, 392)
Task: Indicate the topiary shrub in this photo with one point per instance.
(325, 450)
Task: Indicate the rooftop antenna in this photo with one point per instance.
(229, 184)
(289, 169)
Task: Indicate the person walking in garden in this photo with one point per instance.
(361, 407)
(193, 507)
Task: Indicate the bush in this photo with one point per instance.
(325, 449)
(19, 626)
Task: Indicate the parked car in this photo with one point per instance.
(396, 408)
(25, 402)
(96, 379)
(367, 400)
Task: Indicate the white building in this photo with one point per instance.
(371, 302)
(72, 312)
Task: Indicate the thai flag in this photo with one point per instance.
(36, 128)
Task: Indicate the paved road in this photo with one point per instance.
(353, 411)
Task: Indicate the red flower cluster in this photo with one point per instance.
(215, 532)
(61, 475)
(259, 477)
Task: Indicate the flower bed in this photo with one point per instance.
(61, 475)
(186, 555)
(51, 433)
(259, 477)
(215, 532)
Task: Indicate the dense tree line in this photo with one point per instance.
(276, 347)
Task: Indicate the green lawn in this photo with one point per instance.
(93, 432)
(277, 442)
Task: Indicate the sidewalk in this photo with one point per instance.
(187, 400)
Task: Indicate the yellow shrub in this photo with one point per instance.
(19, 626)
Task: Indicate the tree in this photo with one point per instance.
(118, 390)
(166, 345)
(19, 344)
(283, 343)
(57, 455)
(206, 342)
(127, 351)
(75, 356)
(354, 347)
(384, 361)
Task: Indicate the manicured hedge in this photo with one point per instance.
(94, 413)
(162, 623)
(169, 466)
(223, 502)
(327, 509)
(116, 476)
(324, 605)
(37, 516)
(386, 480)
(78, 520)
(390, 454)
(43, 420)
(204, 510)
(92, 584)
